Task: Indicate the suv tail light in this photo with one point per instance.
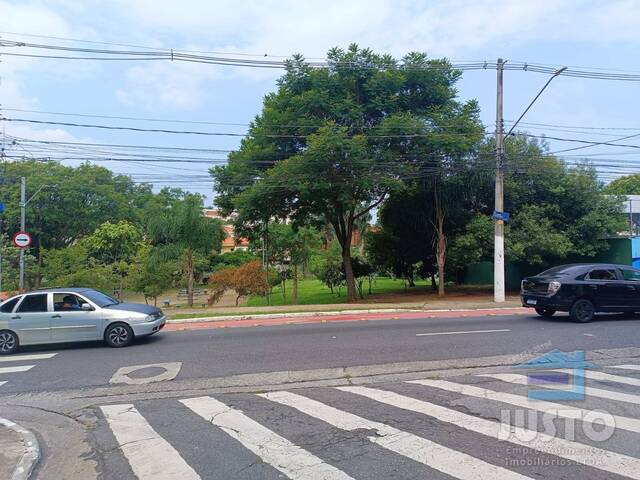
(553, 287)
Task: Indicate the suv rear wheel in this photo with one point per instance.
(582, 311)
(545, 312)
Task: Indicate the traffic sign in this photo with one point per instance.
(21, 239)
(1, 207)
(504, 216)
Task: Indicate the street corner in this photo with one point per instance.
(19, 451)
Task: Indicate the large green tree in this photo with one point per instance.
(181, 232)
(70, 202)
(332, 143)
(627, 185)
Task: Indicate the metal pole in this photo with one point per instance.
(23, 213)
(498, 252)
(630, 218)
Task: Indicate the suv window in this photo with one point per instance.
(630, 274)
(67, 302)
(34, 303)
(8, 306)
(600, 274)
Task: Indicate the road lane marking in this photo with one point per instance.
(2, 383)
(607, 377)
(292, 460)
(565, 411)
(19, 368)
(461, 332)
(627, 367)
(151, 457)
(589, 391)
(446, 460)
(27, 358)
(616, 463)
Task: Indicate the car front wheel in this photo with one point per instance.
(8, 342)
(582, 311)
(545, 312)
(118, 335)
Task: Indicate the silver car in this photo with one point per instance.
(73, 315)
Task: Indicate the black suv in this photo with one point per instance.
(582, 290)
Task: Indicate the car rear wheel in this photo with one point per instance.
(582, 311)
(118, 335)
(545, 312)
(8, 342)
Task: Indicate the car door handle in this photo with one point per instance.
(56, 316)
(630, 287)
(17, 317)
(593, 287)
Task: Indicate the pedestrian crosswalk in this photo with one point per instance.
(12, 364)
(425, 428)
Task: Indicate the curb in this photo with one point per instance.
(31, 454)
(328, 313)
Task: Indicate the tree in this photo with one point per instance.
(150, 278)
(326, 265)
(627, 185)
(247, 279)
(72, 202)
(115, 245)
(181, 231)
(235, 258)
(346, 136)
(73, 267)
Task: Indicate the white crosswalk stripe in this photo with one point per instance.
(27, 358)
(290, 459)
(606, 377)
(577, 452)
(21, 368)
(15, 369)
(519, 379)
(449, 461)
(150, 456)
(565, 411)
(627, 367)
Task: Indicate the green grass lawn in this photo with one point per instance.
(314, 292)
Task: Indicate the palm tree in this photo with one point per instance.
(182, 231)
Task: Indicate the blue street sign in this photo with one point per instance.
(1, 207)
(504, 216)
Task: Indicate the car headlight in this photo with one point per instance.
(553, 287)
(149, 318)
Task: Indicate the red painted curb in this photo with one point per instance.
(266, 322)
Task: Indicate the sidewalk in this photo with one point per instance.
(451, 302)
(19, 451)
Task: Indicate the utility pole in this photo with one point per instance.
(23, 214)
(498, 248)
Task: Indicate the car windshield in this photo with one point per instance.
(559, 269)
(99, 298)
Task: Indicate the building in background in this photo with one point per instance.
(230, 242)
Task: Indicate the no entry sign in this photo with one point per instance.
(22, 239)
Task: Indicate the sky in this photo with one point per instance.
(593, 34)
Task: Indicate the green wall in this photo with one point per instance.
(481, 273)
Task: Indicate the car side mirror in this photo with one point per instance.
(86, 307)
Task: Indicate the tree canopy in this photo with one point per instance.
(332, 143)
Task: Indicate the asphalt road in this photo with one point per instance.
(443, 428)
(224, 352)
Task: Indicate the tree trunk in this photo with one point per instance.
(434, 287)
(238, 299)
(348, 272)
(284, 290)
(190, 277)
(294, 292)
(441, 249)
(412, 283)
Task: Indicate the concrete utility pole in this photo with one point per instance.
(23, 214)
(498, 248)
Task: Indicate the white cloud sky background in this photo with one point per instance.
(571, 32)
